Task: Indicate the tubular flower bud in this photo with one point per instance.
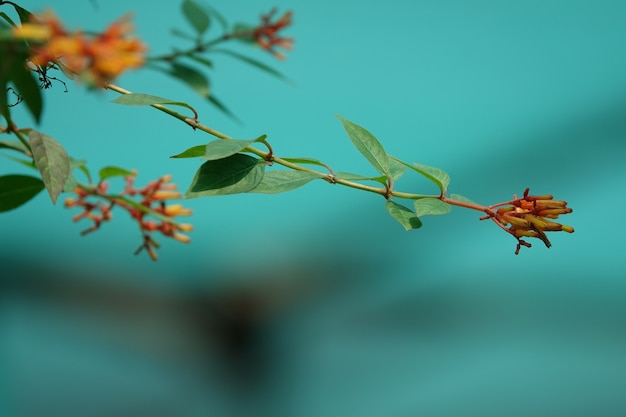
(152, 203)
(528, 217)
(266, 34)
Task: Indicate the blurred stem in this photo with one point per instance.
(200, 47)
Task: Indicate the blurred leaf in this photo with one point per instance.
(275, 182)
(192, 77)
(222, 148)
(25, 15)
(193, 152)
(213, 100)
(431, 207)
(368, 145)
(13, 144)
(403, 215)
(28, 89)
(52, 162)
(461, 198)
(253, 62)
(7, 18)
(26, 162)
(111, 171)
(218, 16)
(80, 164)
(181, 34)
(196, 16)
(16, 190)
(237, 173)
(436, 175)
(70, 184)
(202, 60)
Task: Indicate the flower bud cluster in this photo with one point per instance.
(143, 204)
(529, 217)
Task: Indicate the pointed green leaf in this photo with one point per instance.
(396, 169)
(368, 145)
(138, 99)
(7, 18)
(52, 162)
(356, 177)
(275, 182)
(436, 175)
(253, 62)
(222, 148)
(218, 16)
(310, 161)
(461, 198)
(111, 171)
(431, 207)
(70, 184)
(16, 190)
(403, 215)
(196, 16)
(193, 152)
(237, 173)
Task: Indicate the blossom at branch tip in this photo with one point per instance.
(266, 34)
(96, 59)
(528, 217)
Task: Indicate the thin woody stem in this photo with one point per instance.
(386, 192)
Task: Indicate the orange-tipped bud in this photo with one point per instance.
(177, 210)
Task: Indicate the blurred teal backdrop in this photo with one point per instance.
(315, 302)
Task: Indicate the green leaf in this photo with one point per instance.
(253, 62)
(247, 28)
(310, 161)
(193, 152)
(16, 190)
(138, 99)
(237, 173)
(52, 162)
(13, 144)
(196, 16)
(275, 182)
(431, 207)
(396, 169)
(436, 175)
(80, 164)
(403, 215)
(111, 171)
(368, 145)
(348, 176)
(218, 16)
(70, 184)
(222, 148)
(194, 79)
(461, 198)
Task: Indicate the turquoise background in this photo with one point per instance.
(315, 302)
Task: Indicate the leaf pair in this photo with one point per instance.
(392, 169)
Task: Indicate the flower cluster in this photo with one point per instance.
(149, 201)
(266, 34)
(97, 60)
(528, 217)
